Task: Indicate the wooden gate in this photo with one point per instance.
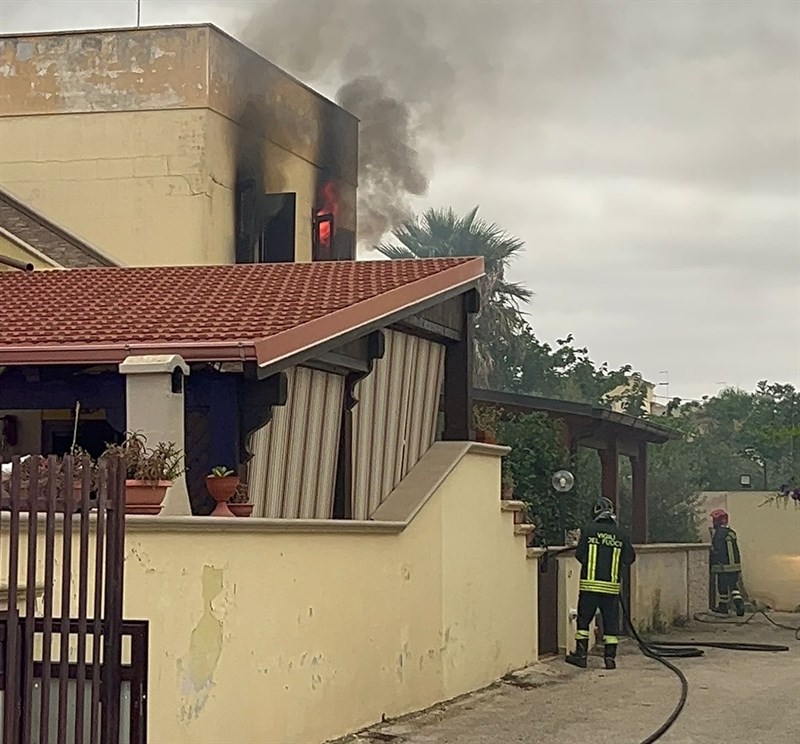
(62, 676)
(548, 605)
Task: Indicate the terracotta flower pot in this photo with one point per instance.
(486, 437)
(241, 510)
(221, 490)
(145, 497)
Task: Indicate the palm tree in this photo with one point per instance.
(439, 233)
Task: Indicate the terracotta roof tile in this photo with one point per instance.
(256, 311)
(44, 235)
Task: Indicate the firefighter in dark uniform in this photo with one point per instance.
(603, 550)
(726, 563)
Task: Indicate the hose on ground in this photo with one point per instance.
(661, 651)
(703, 617)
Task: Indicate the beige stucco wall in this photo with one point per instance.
(669, 583)
(263, 636)
(769, 540)
(128, 138)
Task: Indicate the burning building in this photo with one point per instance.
(176, 145)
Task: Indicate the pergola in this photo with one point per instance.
(610, 433)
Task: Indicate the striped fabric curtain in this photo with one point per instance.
(293, 471)
(394, 422)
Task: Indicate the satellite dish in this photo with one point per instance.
(563, 481)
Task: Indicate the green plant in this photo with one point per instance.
(536, 453)
(221, 472)
(164, 462)
(487, 419)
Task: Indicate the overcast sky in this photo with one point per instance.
(647, 152)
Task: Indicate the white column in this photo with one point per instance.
(153, 409)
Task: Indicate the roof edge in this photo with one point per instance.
(78, 242)
(329, 328)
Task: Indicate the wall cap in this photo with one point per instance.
(149, 364)
(670, 547)
(139, 524)
(408, 497)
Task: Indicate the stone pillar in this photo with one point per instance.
(155, 407)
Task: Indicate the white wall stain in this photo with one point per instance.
(196, 669)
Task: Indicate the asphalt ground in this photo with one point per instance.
(734, 697)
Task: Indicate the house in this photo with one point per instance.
(138, 139)
(380, 572)
(293, 371)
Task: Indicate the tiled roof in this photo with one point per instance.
(33, 229)
(262, 312)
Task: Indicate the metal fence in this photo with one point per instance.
(63, 679)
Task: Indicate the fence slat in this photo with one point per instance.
(99, 591)
(66, 597)
(49, 564)
(11, 695)
(83, 591)
(30, 605)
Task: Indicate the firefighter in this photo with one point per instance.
(726, 563)
(603, 550)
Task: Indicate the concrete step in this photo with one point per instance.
(509, 505)
(524, 529)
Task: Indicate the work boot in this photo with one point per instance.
(578, 658)
(610, 656)
(722, 608)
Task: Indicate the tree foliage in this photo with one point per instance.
(732, 433)
(441, 233)
(537, 453)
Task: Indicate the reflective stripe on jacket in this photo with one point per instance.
(725, 556)
(603, 551)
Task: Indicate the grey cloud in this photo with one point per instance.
(648, 152)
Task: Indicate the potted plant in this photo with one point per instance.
(486, 421)
(240, 503)
(508, 485)
(222, 484)
(148, 472)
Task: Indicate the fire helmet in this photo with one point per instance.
(603, 510)
(719, 518)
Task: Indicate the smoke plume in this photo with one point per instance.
(403, 68)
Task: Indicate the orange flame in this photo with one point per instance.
(329, 205)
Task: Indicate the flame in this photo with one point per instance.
(329, 205)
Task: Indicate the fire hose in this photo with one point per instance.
(662, 651)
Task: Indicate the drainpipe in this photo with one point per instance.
(15, 263)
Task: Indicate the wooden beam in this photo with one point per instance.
(609, 460)
(458, 380)
(639, 505)
(428, 329)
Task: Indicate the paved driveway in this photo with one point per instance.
(733, 697)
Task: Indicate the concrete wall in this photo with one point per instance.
(669, 584)
(130, 139)
(299, 631)
(769, 540)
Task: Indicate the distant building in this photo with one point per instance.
(615, 398)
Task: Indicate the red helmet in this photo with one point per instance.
(719, 517)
